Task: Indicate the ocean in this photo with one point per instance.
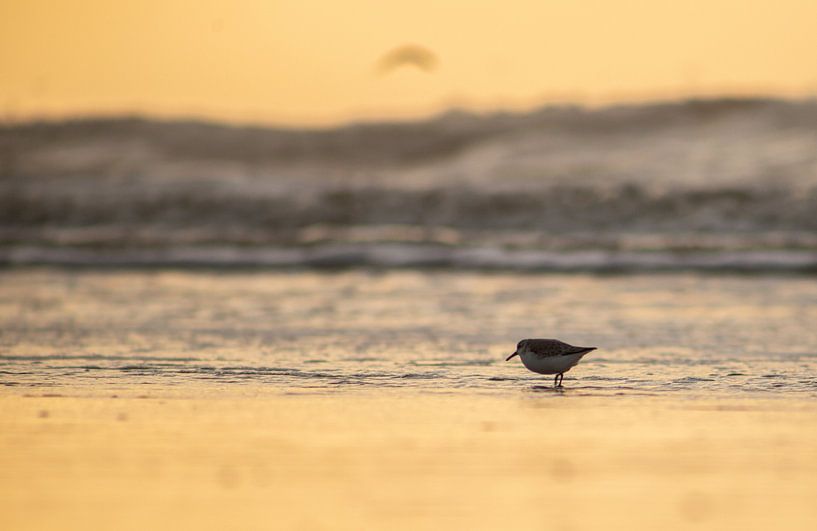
(724, 185)
(208, 326)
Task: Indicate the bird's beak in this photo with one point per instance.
(511, 356)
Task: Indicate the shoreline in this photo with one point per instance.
(420, 257)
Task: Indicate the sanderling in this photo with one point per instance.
(549, 356)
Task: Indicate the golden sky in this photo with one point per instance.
(316, 61)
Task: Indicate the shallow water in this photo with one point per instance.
(429, 331)
(363, 400)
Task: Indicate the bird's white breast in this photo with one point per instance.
(550, 364)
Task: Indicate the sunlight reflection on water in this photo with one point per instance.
(423, 330)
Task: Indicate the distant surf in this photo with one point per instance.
(722, 184)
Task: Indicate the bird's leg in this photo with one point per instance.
(561, 377)
(556, 381)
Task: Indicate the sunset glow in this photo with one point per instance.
(315, 62)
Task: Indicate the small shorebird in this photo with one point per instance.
(549, 356)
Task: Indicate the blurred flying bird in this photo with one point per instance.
(407, 55)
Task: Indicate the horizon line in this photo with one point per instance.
(223, 119)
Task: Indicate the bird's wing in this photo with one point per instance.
(553, 347)
(579, 350)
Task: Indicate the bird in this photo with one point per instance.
(407, 55)
(549, 356)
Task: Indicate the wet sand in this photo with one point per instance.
(402, 460)
(381, 400)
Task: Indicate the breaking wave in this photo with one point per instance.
(704, 184)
